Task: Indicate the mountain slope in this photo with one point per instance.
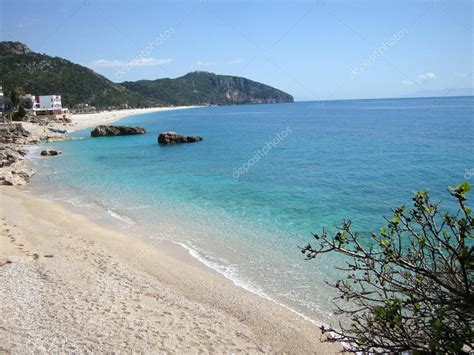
(41, 74)
(207, 88)
(45, 75)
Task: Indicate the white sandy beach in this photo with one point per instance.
(70, 285)
(85, 120)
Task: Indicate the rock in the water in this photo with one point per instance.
(50, 152)
(102, 131)
(173, 138)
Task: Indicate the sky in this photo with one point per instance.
(314, 50)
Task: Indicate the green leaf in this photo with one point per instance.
(461, 190)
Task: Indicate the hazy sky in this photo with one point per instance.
(312, 49)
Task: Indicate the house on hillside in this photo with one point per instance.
(47, 105)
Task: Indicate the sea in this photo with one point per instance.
(264, 179)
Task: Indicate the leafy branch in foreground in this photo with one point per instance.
(410, 286)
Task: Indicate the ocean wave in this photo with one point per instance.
(230, 273)
(120, 217)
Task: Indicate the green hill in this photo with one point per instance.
(208, 88)
(41, 74)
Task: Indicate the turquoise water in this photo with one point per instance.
(264, 178)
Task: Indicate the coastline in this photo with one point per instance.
(67, 273)
(86, 120)
(16, 136)
(103, 290)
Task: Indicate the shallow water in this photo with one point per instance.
(303, 166)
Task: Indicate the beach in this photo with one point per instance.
(69, 284)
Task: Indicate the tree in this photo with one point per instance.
(20, 114)
(13, 113)
(15, 97)
(26, 103)
(410, 286)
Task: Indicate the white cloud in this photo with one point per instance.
(235, 61)
(462, 75)
(427, 76)
(420, 79)
(200, 63)
(106, 63)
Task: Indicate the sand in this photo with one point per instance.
(74, 286)
(86, 120)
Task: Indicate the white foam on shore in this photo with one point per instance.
(122, 218)
(230, 274)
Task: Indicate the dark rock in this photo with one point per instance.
(102, 131)
(174, 138)
(50, 152)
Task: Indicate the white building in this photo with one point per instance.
(2, 100)
(47, 105)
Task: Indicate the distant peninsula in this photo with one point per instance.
(41, 74)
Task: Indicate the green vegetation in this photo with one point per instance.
(41, 74)
(16, 109)
(199, 88)
(45, 75)
(412, 289)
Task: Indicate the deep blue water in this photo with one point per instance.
(319, 162)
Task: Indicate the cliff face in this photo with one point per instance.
(208, 88)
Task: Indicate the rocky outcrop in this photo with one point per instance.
(174, 138)
(103, 131)
(50, 152)
(9, 155)
(13, 134)
(12, 169)
(12, 155)
(15, 176)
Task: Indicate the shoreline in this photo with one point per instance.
(249, 321)
(41, 228)
(88, 120)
